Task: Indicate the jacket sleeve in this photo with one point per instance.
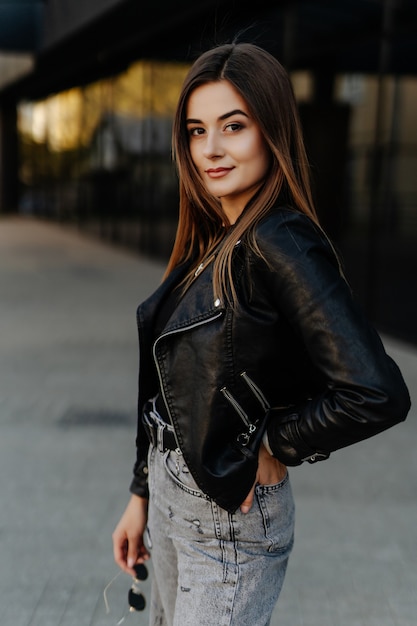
(146, 389)
(365, 392)
(139, 484)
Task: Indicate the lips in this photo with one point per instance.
(218, 172)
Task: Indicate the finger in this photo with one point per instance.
(132, 552)
(136, 552)
(124, 552)
(120, 551)
(143, 554)
(246, 505)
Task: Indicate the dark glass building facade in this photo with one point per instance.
(88, 128)
(99, 156)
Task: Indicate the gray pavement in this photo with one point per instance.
(68, 371)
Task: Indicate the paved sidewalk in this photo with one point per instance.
(68, 371)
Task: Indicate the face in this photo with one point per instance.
(226, 145)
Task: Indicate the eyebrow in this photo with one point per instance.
(222, 117)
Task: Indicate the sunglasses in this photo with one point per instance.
(135, 597)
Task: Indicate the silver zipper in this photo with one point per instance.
(242, 438)
(256, 391)
(161, 386)
(260, 396)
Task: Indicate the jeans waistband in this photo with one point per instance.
(161, 435)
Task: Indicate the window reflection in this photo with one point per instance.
(100, 156)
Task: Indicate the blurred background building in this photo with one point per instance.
(88, 90)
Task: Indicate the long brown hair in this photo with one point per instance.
(265, 86)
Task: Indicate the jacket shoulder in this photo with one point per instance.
(282, 222)
(286, 235)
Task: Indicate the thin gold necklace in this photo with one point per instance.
(211, 258)
(204, 264)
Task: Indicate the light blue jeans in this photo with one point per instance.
(213, 568)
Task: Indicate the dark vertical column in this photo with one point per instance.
(289, 35)
(325, 126)
(8, 156)
(376, 165)
(326, 132)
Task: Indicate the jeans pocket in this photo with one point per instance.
(274, 487)
(179, 473)
(276, 504)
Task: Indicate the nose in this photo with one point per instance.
(212, 146)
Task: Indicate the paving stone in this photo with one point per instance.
(68, 375)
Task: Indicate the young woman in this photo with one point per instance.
(253, 354)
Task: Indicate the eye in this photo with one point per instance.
(233, 127)
(196, 131)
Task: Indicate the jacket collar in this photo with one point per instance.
(197, 304)
(147, 310)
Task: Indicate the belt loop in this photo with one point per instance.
(149, 427)
(160, 436)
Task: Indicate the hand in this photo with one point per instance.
(270, 471)
(128, 546)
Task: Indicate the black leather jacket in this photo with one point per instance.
(296, 356)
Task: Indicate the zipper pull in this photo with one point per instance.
(199, 269)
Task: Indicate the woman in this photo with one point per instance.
(253, 354)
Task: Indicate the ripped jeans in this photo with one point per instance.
(211, 567)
